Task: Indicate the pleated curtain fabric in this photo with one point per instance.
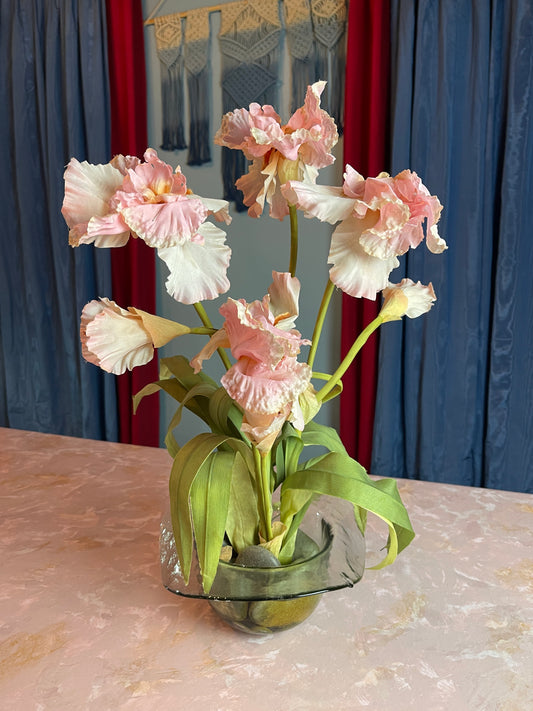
(133, 266)
(365, 149)
(455, 388)
(55, 104)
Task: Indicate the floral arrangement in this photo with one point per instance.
(245, 482)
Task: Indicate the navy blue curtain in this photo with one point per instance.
(54, 101)
(455, 388)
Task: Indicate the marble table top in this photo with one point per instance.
(86, 624)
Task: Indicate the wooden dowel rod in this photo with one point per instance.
(212, 8)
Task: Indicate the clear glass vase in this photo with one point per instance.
(329, 555)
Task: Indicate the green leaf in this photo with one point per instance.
(225, 414)
(287, 453)
(317, 434)
(209, 498)
(336, 474)
(293, 506)
(187, 463)
(149, 389)
(242, 523)
(179, 367)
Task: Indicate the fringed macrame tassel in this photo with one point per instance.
(198, 84)
(301, 46)
(249, 38)
(329, 28)
(199, 130)
(336, 96)
(169, 49)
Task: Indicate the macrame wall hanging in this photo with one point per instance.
(301, 45)
(250, 42)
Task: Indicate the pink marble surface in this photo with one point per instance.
(86, 624)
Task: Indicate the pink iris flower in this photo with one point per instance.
(105, 204)
(267, 379)
(380, 219)
(296, 150)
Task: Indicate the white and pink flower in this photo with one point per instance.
(407, 299)
(117, 339)
(267, 379)
(380, 219)
(105, 204)
(296, 150)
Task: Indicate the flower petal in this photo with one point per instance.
(198, 271)
(161, 330)
(354, 271)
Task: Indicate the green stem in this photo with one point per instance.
(204, 318)
(203, 331)
(265, 476)
(293, 214)
(348, 358)
(262, 471)
(328, 292)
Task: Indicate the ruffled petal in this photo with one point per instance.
(198, 271)
(415, 300)
(328, 204)
(165, 224)
(217, 340)
(354, 271)
(320, 129)
(263, 390)
(253, 335)
(218, 208)
(262, 430)
(235, 131)
(252, 185)
(88, 191)
(113, 338)
(284, 295)
(124, 163)
(434, 241)
(107, 231)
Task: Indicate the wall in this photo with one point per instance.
(259, 245)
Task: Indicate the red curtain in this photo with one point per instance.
(365, 148)
(132, 266)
